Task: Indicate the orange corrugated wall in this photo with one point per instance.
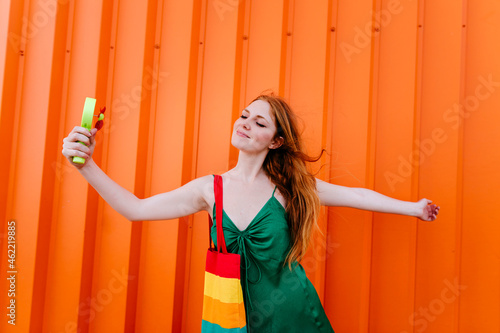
(403, 94)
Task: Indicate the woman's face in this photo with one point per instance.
(254, 131)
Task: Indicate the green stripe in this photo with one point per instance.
(207, 327)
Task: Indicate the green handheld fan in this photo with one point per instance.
(87, 117)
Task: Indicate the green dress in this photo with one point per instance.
(276, 298)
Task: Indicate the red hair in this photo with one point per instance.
(287, 169)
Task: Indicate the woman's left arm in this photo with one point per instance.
(362, 198)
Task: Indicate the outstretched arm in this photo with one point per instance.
(183, 201)
(362, 198)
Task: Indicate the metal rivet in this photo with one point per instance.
(245, 37)
(332, 29)
(157, 46)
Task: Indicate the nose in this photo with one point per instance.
(245, 124)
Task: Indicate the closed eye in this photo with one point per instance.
(258, 124)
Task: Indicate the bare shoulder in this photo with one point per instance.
(203, 181)
(204, 188)
(321, 185)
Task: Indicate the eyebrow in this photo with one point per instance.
(258, 116)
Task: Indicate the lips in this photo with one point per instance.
(242, 134)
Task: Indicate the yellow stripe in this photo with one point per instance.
(226, 315)
(226, 290)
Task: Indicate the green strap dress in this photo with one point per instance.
(276, 298)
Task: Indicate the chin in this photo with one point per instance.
(243, 144)
(237, 143)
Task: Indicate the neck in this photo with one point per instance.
(249, 166)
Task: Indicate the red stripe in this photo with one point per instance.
(224, 265)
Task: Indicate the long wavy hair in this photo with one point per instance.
(287, 169)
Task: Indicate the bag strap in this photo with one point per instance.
(210, 242)
(221, 242)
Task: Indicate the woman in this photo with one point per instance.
(271, 203)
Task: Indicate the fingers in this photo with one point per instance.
(78, 143)
(70, 153)
(78, 146)
(433, 212)
(79, 134)
(82, 130)
(430, 211)
(71, 149)
(93, 132)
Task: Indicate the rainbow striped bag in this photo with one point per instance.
(223, 307)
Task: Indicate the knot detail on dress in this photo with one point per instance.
(248, 260)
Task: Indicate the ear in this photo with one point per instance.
(276, 143)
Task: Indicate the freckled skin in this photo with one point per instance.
(259, 138)
(253, 135)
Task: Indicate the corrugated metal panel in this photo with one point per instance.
(403, 94)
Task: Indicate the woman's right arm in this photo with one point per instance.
(183, 201)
